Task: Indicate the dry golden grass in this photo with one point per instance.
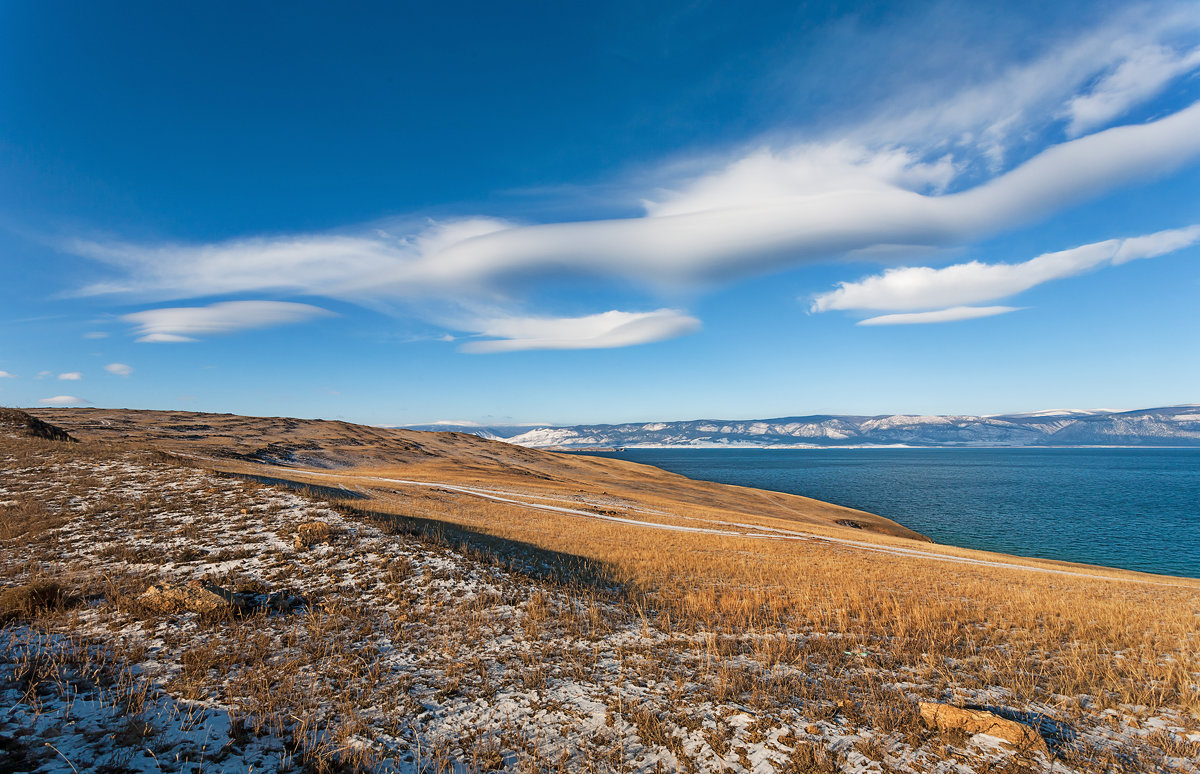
(1037, 634)
(708, 627)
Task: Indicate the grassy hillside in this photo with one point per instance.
(350, 450)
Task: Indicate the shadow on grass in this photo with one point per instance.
(308, 490)
(542, 563)
(525, 558)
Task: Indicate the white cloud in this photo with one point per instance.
(596, 331)
(922, 287)
(1144, 74)
(952, 314)
(765, 177)
(71, 376)
(7, 375)
(180, 324)
(119, 369)
(63, 400)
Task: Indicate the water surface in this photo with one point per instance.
(1133, 508)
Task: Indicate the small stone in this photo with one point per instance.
(945, 717)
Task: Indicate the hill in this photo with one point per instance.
(244, 444)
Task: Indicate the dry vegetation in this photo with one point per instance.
(378, 625)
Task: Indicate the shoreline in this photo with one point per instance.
(950, 536)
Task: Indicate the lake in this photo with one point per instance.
(1133, 508)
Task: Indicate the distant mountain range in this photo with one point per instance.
(1170, 426)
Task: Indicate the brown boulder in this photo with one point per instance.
(945, 717)
(194, 597)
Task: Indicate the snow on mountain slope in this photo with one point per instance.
(1169, 426)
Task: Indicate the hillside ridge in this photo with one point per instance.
(298, 449)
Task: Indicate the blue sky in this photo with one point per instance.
(639, 211)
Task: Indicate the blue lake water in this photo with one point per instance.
(1132, 508)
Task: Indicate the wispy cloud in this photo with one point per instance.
(71, 376)
(596, 331)
(1083, 82)
(183, 324)
(952, 314)
(922, 287)
(7, 375)
(1144, 74)
(63, 400)
(119, 369)
(95, 335)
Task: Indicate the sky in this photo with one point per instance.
(612, 212)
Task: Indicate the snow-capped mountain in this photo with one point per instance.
(1170, 426)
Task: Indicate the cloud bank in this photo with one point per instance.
(765, 212)
(907, 180)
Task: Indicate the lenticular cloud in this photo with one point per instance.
(183, 324)
(598, 331)
(921, 287)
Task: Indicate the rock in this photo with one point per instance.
(945, 717)
(311, 533)
(193, 597)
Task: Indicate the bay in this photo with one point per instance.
(1138, 509)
